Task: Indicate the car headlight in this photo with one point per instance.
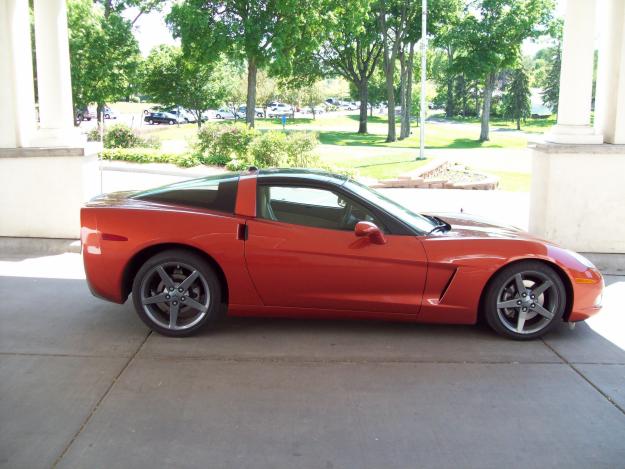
(582, 260)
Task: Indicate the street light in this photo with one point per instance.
(424, 15)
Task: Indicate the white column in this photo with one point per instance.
(56, 121)
(578, 47)
(17, 96)
(610, 100)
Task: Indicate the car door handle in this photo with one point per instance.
(242, 232)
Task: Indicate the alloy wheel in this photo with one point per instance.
(527, 302)
(175, 295)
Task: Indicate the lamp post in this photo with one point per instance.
(424, 15)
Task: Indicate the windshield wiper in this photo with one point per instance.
(441, 226)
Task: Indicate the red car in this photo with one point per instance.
(303, 243)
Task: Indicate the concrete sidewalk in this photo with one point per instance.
(84, 384)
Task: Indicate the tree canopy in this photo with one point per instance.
(104, 54)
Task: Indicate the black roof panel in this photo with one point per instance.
(317, 175)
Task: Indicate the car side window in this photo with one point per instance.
(309, 206)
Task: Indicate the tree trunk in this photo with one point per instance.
(390, 97)
(402, 90)
(99, 116)
(363, 94)
(250, 110)
(476, 96)
(407, 99)
(488, 96)
(463, 90)
(449, 105)
(518, 123)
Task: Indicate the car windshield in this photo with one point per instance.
(418, 222)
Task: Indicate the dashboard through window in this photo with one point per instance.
(310, 206)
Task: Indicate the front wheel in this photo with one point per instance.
(171, 122)
(525, 300)
(176, 293)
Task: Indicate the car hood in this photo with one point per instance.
(470, 226)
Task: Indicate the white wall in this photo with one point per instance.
(41, 196)
(578, 196)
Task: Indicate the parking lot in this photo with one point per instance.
(84, 384)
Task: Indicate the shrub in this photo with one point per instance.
(299, 148)
(270, 149)
(149, 155)
(122, 136)
(219, 144)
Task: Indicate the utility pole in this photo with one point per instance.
(424, 17)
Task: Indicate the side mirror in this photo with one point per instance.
(370, 230)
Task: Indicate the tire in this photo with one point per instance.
(525, 300)
(151, 122)
(170, 122)
(156, 293)
(218, 116)
(106, 116)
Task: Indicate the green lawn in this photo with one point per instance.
(371, 156)
(531, 125)
(341, 130)
(513, 182)
(371, 164)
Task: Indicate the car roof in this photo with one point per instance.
(274, 175)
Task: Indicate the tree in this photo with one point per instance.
(171, 78)
(492, 32)
(392, 20)
(517, 97)
(272, 34)
(353, 50)
(104, 54)
(447, 38)
(551, 85)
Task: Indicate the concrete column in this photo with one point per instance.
(610, 101)
(56, 121)
(17, 96)
(578, 47)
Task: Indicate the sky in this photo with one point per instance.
(151, 31)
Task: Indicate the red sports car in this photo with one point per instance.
(303, 243)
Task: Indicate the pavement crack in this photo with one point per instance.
(100, 401)
(585, 378)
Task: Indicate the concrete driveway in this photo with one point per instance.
(84, 384)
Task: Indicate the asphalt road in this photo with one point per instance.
(84, 384)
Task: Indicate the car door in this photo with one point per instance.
(302, 252)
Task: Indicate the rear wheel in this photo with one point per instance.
(176, 293)
(171, 122)
(525, 300)
(151, 122)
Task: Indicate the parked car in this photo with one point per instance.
(183, 113)
(153, 109)
(241, 112)
(279, 109)
(346, 106)
(224, 113)
(84, 114)
(163, 118)
(306, 243)
(109, 113)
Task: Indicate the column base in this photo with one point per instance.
(573, 135)
(42, 190)
(57, 138)
(577, 196)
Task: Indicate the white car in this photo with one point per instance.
(224, 113)
(279, 109)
